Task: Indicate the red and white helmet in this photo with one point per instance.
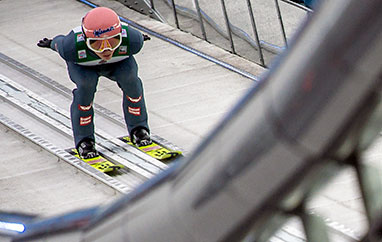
(101, 22)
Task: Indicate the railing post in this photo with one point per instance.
(175, 14)
(152, 4)
(200, 19)
(255, 32)
(281, 22)
(228, 26)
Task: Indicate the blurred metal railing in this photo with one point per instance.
(253, 45)
(315, 113)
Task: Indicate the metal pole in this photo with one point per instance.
(200, 19)
(228, 26)
(175, 15)
(152, 4)
(255, 32)
(281, 22)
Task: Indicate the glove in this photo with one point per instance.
(146, 37)
(44, 43)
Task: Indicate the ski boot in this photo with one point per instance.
(140, 137)
(86, 149)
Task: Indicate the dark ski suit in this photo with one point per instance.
(85, 68)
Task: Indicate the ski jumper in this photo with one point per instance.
(85, 68)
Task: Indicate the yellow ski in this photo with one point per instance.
(154, 150)
(99, 162)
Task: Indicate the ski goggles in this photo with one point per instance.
(101, 44)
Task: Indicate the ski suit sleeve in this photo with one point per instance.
(136, 40)
(65, 46)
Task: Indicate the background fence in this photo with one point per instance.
(254, 29)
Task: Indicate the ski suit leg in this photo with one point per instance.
(125, 73)
(81, 110)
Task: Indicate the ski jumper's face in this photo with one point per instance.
(102, 29)
(105, 55)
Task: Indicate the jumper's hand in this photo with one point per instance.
(146, 37)
(44, 43)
